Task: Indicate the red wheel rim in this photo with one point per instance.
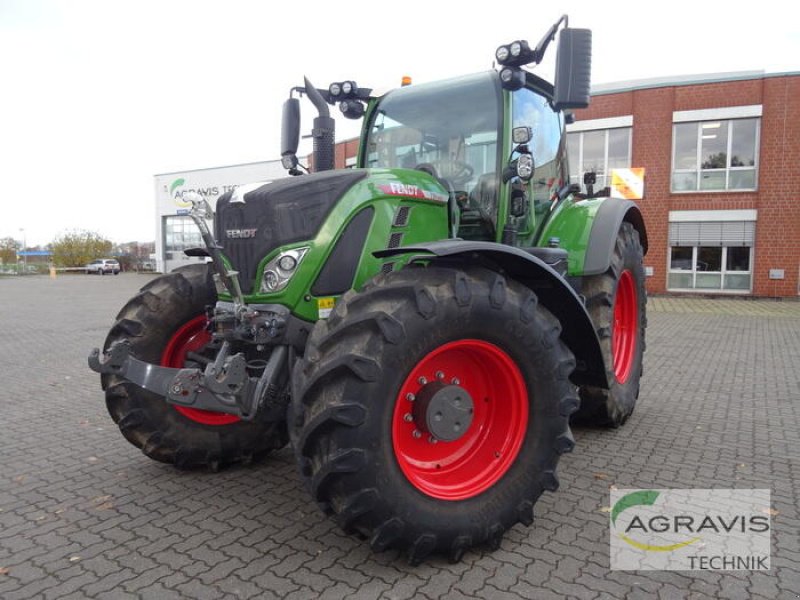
(473, 463)
(189, 338)
(624, 333)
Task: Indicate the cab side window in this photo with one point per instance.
(547, 145)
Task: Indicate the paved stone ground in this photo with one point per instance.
(86, 515)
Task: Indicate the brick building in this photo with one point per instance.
(722, 213)
(720, 204)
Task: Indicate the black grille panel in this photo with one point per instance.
(278, 213)
(401, 216)
(336, 276)
(395, 240)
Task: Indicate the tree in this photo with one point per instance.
(76, 248)
(715, 161)
(8, 251)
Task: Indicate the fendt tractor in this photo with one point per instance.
(421, 328)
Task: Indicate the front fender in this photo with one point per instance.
(553, 291)
(587, 230)
(606, 224)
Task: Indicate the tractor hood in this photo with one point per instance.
(275, 214)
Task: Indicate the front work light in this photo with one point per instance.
(279, 271)
(352, 109)
(502, 54)
(512, 79)
(515, 54)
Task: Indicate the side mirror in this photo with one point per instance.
(290, 127)
(573, 69)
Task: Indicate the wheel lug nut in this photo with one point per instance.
(408, 418)
(439, 375)
(422, 380)
(410, 397)
(417, 433)
(432, 440)
(455, 381)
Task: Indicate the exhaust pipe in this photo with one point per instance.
(323, 131)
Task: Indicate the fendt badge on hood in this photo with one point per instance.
(240, 234)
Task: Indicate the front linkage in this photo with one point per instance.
(225, 384)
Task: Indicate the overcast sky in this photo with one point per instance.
(98, 96)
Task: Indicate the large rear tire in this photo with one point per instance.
(617, 302)
(164, 323)
(367, 427)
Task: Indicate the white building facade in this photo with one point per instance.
(175, 230)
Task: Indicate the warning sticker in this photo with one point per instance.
(325, 306)
(627, 184)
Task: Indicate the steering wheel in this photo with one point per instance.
(457, 171)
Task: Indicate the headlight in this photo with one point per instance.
(501, 54)
(525, 167)
(278, 272)
(515, 49)
(335, 89)
(287, 263)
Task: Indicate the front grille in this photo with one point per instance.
(285, 211)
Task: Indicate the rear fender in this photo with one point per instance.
(553, 291)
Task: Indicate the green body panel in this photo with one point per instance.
(571, 222)
(384, 190)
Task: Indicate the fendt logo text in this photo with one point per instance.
(240, 234)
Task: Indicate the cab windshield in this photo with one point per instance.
(449, 128)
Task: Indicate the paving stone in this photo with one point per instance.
(719, 407)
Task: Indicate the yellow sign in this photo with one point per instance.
(325, 306)
(627, 184)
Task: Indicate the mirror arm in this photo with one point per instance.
(541, 47)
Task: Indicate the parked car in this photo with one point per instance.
(103, 266)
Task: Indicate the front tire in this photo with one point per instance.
(164, 323)
(617, 303)
(384, 466)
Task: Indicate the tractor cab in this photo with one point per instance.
(461, 132)
(494, 140)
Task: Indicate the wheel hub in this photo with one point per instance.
(444, 411)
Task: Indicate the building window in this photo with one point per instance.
(180, 233)
(710, 268)
(715, 155)
(598, 150)
(711, 255)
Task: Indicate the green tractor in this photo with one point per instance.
(422, 328)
